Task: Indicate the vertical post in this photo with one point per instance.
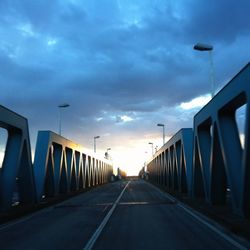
(163, 127)
(96, 137)
(209, 48)
(65, 105)
(212, 77)
(60, 121)
(107, 153)
(152, 147)
(163, 131)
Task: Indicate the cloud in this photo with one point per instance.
(115, 61)
(218, 21)
(195, 103)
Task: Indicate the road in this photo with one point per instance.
(143, 218)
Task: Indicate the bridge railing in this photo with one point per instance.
(60, 165)
(171, 166)
(220, 165)
(16, 171)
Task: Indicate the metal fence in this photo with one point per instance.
(220, 165)
(60, 165)
(171, 166)
(16, 172)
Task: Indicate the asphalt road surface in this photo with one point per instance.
(121, 215)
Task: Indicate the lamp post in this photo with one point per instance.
(107, 154)
(209, 48)
(96, 137)
(64, 105)
(152, 145)
(163, 131)
(145, 162)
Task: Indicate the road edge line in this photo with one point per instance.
(204, 220)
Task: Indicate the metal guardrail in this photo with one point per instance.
(61, 166)
(220, 164)
(171, 166)
(16, 171)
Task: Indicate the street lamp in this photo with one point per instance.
(146, 155)
(152, 145)
(163, 131)
(64, 105)
(107, 154)
(96, 137)
(145, 162)
(209, 48)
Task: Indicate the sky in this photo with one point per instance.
(122, 65)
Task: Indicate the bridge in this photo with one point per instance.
(68, 199)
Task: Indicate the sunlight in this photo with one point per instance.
(129, 160)
(242, 140)
(2, 153)
(3, 144)
(132, 158)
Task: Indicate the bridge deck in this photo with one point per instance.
(145, 218)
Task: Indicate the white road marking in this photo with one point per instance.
(212, 227)
(98, 231)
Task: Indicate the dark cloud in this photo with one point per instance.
(122, 67)
(218, 21)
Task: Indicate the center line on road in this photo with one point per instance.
(98, 231)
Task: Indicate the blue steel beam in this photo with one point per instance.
(16, 168)
(171, 166)
(219, 160)
(61, 166)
